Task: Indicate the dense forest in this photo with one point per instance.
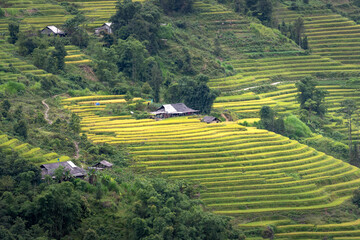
(80, 81)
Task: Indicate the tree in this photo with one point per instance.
(141, 21)
(182, 6)
(193, 92)
(154, 77)
(267, 116)
(59, 54)
(58, 209)
(131, 54)
(298, 30)
(75, 123)
(13, 32)
(5, 105)
(21, 129)
(310, 98)
(305, 43)
(78, 35)
(348, 109)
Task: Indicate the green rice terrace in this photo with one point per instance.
(270, 185)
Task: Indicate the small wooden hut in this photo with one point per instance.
(103, 164)
(106, 27)
(53, 31)
(75, 171)
(173, 110)
(210, 119)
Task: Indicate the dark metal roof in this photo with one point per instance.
(49, 169)
(209, 119)
(175, 108)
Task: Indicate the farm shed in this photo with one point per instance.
(49, 169)
(52, 30)
(173, 110)
(103, 164)
(106, 27)
(210, 119)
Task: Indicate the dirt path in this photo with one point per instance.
(77, 150)
(46, 113)
(224, 116)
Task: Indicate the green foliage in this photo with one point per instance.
(59, 55)
(295, 128)
(138, 20)
(296, 32)
(356, 197)
(193, 92)
(14, 30)
(12, 88)
(78, 35)
(261, 9)
(161, 211)
(311, 99)
(59, 209)
(21, 129)
(329, 146)
(182, 6)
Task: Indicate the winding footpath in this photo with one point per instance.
(46, 117)
(46, 113)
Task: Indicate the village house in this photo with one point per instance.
(103, 164)
(173, 110)
(106, 27)
(53, 31)
(75, 171)
(210, 119)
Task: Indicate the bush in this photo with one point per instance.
(12, 88)
(295, 128)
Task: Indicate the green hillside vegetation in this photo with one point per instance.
(283, 76)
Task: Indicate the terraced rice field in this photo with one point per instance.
(244, 170)
(98, 12)
(7, 58)
(35, 155)
(254, 72)
(340, 231)
(284, 101)
(329, 34)
(334, 36)
(74, 55)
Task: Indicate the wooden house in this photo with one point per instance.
(173, 110)
(106, 27)
(103, 164)
(210, 119)
(53, 31)
(75, 171)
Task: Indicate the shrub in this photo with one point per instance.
(295, 128)
(12, 88)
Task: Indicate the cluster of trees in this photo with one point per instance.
(110, 206)
(296, 32)
(261, 9)
(312, 102)
(194, 92)
(141, 21)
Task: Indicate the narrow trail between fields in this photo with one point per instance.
(77, 150)
(224, 116)
(46, 113)
(46, 117)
